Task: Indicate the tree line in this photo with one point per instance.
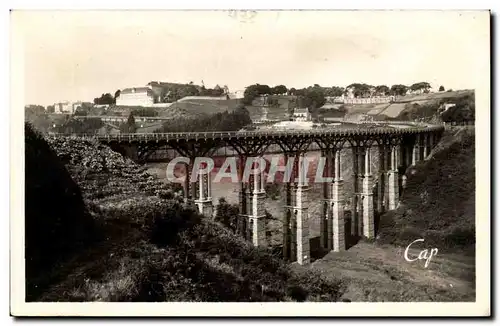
(357, 89)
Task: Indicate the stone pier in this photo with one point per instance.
(368, 213)
(394, 178)
(204, 199)
(355, 199)
(241, 227)
(425, 141)
(326, 237)
(337, 204)
(416, 150)
(301, 215)
(258, 212)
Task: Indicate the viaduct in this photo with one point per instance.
(398, 148)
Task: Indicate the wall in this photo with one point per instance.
(132, 99)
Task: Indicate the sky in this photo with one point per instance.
(78, 55)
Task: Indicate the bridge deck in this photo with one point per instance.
(410, 129)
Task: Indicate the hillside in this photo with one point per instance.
(143, 243)
(438, 203)
(198, 107)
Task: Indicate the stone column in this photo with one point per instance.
(301, 214)
(355, 171)
(323, 223)
(393, 180)
(293, 221)
(368, 214)
(338, 208)
(425, 145)
(242, 198)
(258, 212)
(416, 150)
(381, 179)
(204, 200)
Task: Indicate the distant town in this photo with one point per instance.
(146, 109)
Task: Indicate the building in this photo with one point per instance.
(63, 107)
(137, 96)
(301, 114)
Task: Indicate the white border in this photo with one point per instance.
(480, 308)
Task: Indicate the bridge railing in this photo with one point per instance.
(267, 133)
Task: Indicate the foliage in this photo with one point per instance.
(144, 112)
(227, 214)
(225, 121)
(421, 87)
(361, 89)
(278, 90)
(51, 109)
(155, 249)
(382, 90)
(314, 98)
(464, 109)
(129, 126)
(253, 91)
(80, 126)
(399, 90)
(438, 203)
(441, 88)
(57, 223)
(334, 91)
(105, 99)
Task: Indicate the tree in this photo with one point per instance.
(105, 99)
(117, 94)
(398, 90)
(129, 126)
(51, 109)
(334, 91)
(441, 88)
(253, 91)
(80, 111)
(292, 91)
(382, 90)
(360, 89)
(314, 98)
(278, 90)
(421, 87)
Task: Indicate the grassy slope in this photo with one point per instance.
(198, 107)
(438, 203)
(152, 248)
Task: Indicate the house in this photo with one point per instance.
(63, 107)
(301, 114)
(136, 96)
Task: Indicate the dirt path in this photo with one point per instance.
(380, 273)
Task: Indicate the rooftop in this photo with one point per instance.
(136, 90)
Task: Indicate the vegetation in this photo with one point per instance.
(171, 92)
(144, 112)
(128, 237)
(462, 111)
(422, 87)
(225, 121)
(80, 126)
(438, 203)
(105, 99)
(129, 127)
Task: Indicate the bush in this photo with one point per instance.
(57, 221)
